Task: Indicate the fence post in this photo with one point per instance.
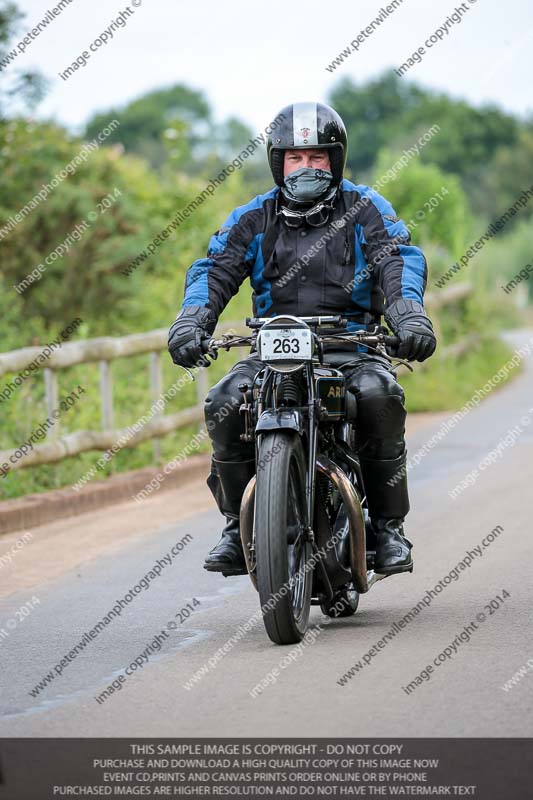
(52, 400)
(156, 390)
(202, 387)
(106, 394)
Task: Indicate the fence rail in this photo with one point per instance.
(104, 351)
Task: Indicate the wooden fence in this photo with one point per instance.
(104, 351)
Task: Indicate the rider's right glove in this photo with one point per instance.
(189, 335)
(409, 321)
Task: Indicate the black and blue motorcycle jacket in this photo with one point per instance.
(361, 258)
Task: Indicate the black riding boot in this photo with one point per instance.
(227, 481)
(393, 549)
(388, 503)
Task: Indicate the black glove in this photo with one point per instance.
(411, 324)
(189, 335)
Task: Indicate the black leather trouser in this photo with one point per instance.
(379, 423)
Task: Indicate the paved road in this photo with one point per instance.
(462, 696)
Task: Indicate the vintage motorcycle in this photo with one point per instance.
(304, 523)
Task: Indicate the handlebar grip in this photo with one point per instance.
(391, 341)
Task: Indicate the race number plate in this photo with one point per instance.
(285, 344)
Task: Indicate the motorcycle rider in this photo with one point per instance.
(314, 244)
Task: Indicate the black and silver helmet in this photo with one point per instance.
(308, 125)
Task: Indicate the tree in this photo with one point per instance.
(431, 203)
(509, 174)
(86, 244)
(145, 121)
(389, 112)
(22, 88)
(372, 113)
(173, 130)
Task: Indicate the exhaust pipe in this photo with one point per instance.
(246, 524)
(355, 516)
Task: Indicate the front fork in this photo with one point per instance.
(312, 442)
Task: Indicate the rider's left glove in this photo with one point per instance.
(189, 335)
(409, 321)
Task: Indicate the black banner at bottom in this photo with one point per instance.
(487, 769)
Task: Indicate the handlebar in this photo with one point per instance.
(372, 339)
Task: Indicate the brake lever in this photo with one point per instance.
(400, 361)
(381, 350)
(188, 371)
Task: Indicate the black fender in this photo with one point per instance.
(276, 419)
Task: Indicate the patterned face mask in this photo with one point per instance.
(307, 183)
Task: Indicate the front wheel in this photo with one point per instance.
(283, 550)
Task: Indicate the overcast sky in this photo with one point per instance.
(251, 59)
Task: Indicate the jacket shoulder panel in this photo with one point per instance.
(395, 227)
(219, 240)
(253, 205)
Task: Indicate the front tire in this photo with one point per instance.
(282, 547)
